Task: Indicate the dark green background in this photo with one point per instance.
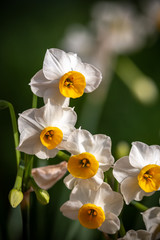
(28, 29)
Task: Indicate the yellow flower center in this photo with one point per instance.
(50, 137)
(91, 216)
(149, 178)
(83, 165)
(72, 84)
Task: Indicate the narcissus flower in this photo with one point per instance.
(43, 131)
(94, 209)
(64, 76)
(139, 174)
(136, 235)
(91, 156)
(151, 218)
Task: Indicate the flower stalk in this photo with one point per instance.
(139, 206)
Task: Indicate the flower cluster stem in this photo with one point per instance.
(139, 206)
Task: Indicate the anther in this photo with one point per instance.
(68, 82)
(92, 212)
(85, 162)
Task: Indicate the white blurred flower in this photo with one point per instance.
(47, 176)
(91, 156)
(44, 131)
(151, 218)
(137, 235)
(64, 76)
(139, 174)
(119, 27)
(79, 39)
(94, 209)
(152, 11)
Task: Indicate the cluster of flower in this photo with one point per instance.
(45, 131)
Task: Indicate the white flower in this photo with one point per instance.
(43, 131)
(64, 76)
(151, 218)
(91, 156)
(94, 209)
(136, 235)
(119, 27)
(139, 174)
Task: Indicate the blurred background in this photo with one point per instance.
(120, 38)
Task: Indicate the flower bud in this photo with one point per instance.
(42, 196)
(15, 197)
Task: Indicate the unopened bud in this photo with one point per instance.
(42, 196)
(15, 197)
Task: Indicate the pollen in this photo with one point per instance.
(83, 165)
(149, 178)
(72, 84)
(51, 137)
(91, 216)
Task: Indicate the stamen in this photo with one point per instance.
(147, 176)
(92, 212)
(68, 82)
(84, 162)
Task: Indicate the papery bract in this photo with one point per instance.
(48, 175)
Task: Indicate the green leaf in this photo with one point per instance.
(5, 104)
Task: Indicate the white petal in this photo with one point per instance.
(102, 151)
(69, 116)
(29, 141)
(131, 190)
(56, 64)
(93, 182)
(56, 97)
(122, 169)
(151, 217)
(48, 114)
(92, 75)
(39, 84)
(45, 153)
(136, 235)
(70, 209)
(69, 181)
(83, 193)
(111, 224)
(141, 155)
(27, 119)
(79, 141)
(74, 60)
(109, 200)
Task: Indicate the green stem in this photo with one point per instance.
(3, 105)
(116, 185)
(19, 177)
(139, 206)
(28, 168)
(34, 101)
(63, 156)
(25, 211)
(122, 230)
